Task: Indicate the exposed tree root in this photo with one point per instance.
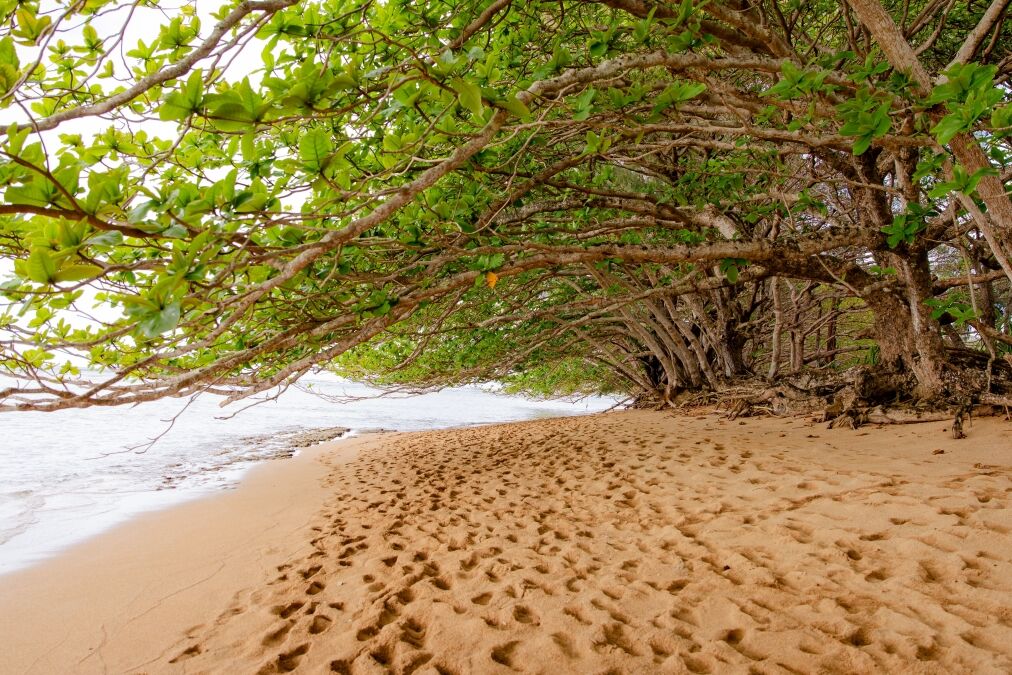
(976, 385)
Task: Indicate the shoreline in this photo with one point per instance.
(70, 474)
(635, 540)
(36, 549)
(147, 503)
(38, 542)
(139, 580)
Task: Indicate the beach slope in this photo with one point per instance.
(631, 542)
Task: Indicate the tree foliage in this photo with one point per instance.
(568, 196)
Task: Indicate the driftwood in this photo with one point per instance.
(855, 418)
(1005, 402)
(883, 416)
(995, 399)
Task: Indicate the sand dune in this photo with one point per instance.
(641, 542)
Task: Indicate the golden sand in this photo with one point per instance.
(633, 542)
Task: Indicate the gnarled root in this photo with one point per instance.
(869, 395)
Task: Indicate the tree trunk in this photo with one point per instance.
(831, 332)
(778, 326)
(909, 339)
(692, 339)
(930, 361)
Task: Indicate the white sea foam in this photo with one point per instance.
(68, 475)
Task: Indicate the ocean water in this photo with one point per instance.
(68, 475)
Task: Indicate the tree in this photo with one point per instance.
(616, 194)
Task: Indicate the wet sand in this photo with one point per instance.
(119, 602)
(632, 542)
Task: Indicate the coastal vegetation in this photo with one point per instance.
(777, 202)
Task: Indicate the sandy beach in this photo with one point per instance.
(629, 542)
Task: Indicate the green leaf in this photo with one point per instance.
(76, 273)
(1001, 118)
(109, 238)
(175, 107)
(41, 266)
(731, 268)
(905, 226)
(862, 144)
(731, 272)
(162, 321)
(188, 100)
(9, 65)
(250, 202)
(560, 57)
(961, 79)
(469, 95)
(315, 149)
(16, 138)
(929, 165)
(174, 231)
(584, 104)
(248, 147)
(488, 263)
(37, 193)
(948, 128)
(676, 93)
(515, 106)
(30, 26)
(236, 109)
(9, 54)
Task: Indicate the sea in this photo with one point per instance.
(68, 475)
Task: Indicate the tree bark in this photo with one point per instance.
(909, 340)
(778, 321)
